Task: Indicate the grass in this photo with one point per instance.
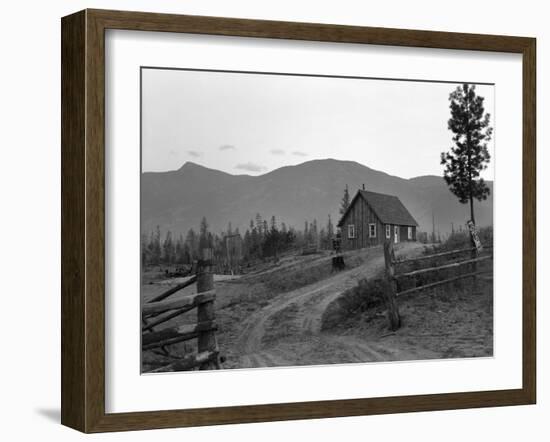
(452, 321)
(457, 241)
(366, 300)
(300, 275)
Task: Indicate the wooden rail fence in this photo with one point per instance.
(160, 309)
(393, 275)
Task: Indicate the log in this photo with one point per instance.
(173, 290)
(165, 343)
(176, 332)
(443, 281)
(182, 302)
(172, 314)
(443, 267)
(188, 362)
(391, 288)
(167, 317)
(435, 255)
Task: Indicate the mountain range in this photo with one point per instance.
(177, 200)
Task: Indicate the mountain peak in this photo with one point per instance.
(190, 165)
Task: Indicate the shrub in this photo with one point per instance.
(460, 240)
(365, 296)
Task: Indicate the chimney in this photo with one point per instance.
(363, 186)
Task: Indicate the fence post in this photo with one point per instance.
(205, 311)
(391, 289)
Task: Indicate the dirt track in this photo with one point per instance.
(287, 331)
(263, 323)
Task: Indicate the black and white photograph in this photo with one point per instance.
(306, 219)
(259, 221)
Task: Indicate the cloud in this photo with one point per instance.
(250, 167)
(194, 153)
(277, 151)
(297, 153)
(227, 147)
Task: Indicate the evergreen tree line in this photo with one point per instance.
(262, 239)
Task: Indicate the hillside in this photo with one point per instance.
(177, 200)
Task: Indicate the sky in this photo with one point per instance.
(248, 123)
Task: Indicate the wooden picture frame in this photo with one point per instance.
(83, 220)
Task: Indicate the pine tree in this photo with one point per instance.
(204, 235)
(154, 246)
(256, 243)
(144, 250)
(469, 156)
(345, 201)
(247, 244)
(168, 249)
(187, 255)
(283, 227)
(193, 245)
(259, 224)
(179, 251)
(272, 239)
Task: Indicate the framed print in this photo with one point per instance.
(267, 220)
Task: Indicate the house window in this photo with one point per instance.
(388, 231)
(410, 232)
(372, 230)
(351, 231)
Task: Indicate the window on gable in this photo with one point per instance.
(351, 231)
(388, 231)
(372, 230)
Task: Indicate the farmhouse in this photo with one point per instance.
(373, 218)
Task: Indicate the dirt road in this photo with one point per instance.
(288, 330)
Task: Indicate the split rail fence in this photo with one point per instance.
(165, 307)
(394, 274)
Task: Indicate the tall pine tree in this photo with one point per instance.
(168, 249)
(205, 238)
(345, 201)
(469, 156)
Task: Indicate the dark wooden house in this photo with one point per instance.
(372, 218)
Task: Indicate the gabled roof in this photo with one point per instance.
(388, 208)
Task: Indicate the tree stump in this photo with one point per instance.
(338, 263)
